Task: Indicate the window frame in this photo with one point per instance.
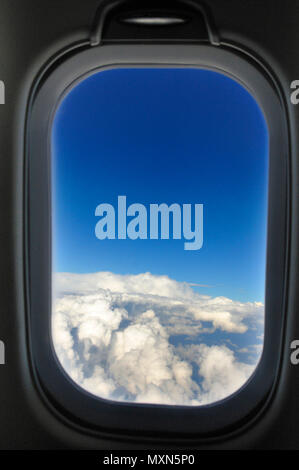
(60, 391)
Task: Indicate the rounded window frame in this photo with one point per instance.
(70, 400)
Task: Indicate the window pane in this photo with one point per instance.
(159, 205)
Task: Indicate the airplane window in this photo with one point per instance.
(159, 221)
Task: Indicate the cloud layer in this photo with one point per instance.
(141, 338)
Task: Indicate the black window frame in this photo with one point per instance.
(61, 393)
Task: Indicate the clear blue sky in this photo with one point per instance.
(172, 136)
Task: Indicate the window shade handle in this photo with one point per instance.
(150, 21)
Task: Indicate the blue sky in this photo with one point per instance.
(172, 136)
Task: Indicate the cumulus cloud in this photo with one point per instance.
(120, 337)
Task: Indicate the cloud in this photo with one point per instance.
(120, 338)
(222, 373)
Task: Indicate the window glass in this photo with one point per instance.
(159, 210)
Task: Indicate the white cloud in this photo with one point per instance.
(222, 373)
(114, 335)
